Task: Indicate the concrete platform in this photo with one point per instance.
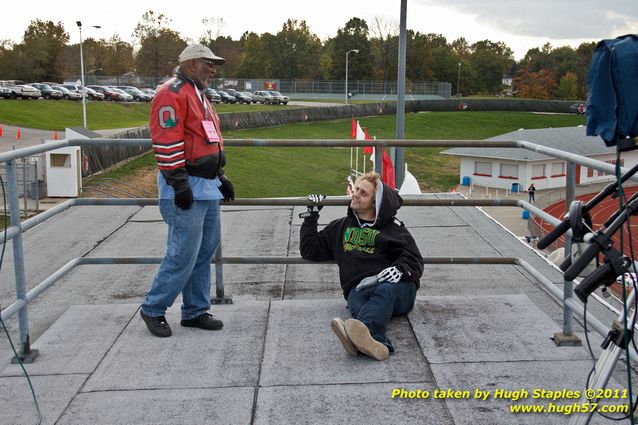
(276, 361)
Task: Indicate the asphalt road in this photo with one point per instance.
(28, 137)
(32, 136)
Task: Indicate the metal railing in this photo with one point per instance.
(14, 232)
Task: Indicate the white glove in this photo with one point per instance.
(391, 274)
(315, 207)
(315, 199)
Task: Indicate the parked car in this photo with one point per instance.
(94, 94)
(150, 92)
(90, 93)
(262, 96)
(71, 87)
(14, 92)
(243, 97)
(6, 93)
(124, 96)
(212, 95)
(19, 89)
(47, 91)
(68, 94)
(29, 92)
(280, 97)
(137, 94)
(226, 98)
(13, 86)
(109, 94)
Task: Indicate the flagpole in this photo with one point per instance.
(351, 159)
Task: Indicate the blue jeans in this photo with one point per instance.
(193, 237)
(375, 306)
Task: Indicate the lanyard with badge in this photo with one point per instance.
(208, 124)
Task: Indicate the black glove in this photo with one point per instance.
(315, 207)
(184, 197)
(226, 188)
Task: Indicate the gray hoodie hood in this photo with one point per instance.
(387, 203)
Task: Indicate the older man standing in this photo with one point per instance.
(189, 150)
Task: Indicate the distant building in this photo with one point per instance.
(504, 168)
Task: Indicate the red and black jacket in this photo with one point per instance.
(179, 141)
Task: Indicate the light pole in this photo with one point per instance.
(458, 82)
(79, 23)
(347, 53)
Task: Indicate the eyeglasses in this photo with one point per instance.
(207, 62)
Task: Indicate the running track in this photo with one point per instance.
(599, 216)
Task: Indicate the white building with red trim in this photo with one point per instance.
(506, 168)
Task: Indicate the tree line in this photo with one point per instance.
(295, 52)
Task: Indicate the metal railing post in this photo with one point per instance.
(567, 337)
(24, 188)
(26, 354)
(220, 297)
(378, 160)
(36, 187)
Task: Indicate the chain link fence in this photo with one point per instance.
(29, 190)
(361, 89)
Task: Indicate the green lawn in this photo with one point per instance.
(58, 114)
(260, 172)
(275, 172)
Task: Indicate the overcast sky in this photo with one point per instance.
(521, 24)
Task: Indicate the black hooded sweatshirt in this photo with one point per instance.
(364, 249)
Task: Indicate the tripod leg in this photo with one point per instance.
(604, 368)
(599, 379)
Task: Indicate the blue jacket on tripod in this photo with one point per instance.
(612, 89)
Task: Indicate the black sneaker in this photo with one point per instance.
(157, 325)
(203, 321)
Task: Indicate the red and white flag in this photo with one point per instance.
(368, 150)
(359, 133)
(388, 170)
(387, 167)
(354, 127)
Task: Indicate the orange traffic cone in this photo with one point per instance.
(18, 135)
(55, 136)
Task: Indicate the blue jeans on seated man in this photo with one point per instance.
(376, 305)
(193, 237)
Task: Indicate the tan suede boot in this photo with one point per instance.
(360, 336)
(339, 329)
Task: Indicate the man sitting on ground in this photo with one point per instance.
(372, 246)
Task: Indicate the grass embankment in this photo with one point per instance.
(59, 114)
(276, 172)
